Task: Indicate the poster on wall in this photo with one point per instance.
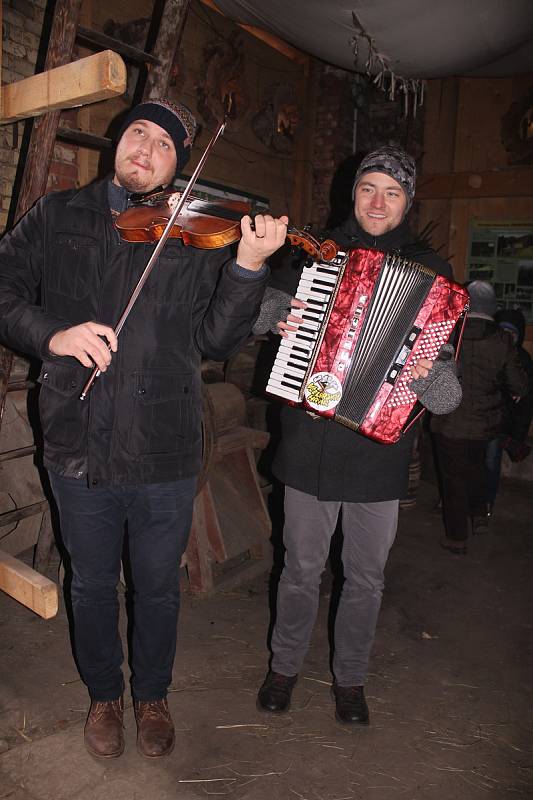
(211, 192)
(502, 253)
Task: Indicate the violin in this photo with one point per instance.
(202, 223)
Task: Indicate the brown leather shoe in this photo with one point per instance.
(104, 729)
(155, 729)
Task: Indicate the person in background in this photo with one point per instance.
(518, 412)
(128, 455)
(329, 470)
(490, 370)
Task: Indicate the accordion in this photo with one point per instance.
(370, 316)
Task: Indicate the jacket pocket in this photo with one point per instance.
(166, 412)
(63, 416)
(74, 265)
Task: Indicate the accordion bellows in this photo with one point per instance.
(370, 317)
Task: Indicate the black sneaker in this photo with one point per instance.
(274, 695)
(480, 525)
(350, 705)
(456, 546)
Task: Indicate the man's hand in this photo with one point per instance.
(292, 322)
(84, 343)
(421, 368)
(257, 245)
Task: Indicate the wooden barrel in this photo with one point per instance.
(224, 409)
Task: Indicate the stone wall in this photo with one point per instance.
(353, 118)
(333, 139)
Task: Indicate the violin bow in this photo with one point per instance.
(155, 255)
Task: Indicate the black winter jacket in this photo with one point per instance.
(326, 459)
(490, 370)
(65, 264)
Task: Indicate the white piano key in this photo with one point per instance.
(310, 296)
(285, 384)
(324, 280)
(302, 348)
(314, 286)
(292, 358)
(280, 392)
(290, 370)
(301, 338)
(284, 391)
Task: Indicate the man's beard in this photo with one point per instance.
(134, 182)
(134, 179)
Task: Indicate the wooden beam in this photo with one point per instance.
(88, 80)
(10, 517)
(471, 185)
(6, 362)
(165, 48)
(27, 586)
(43, 134)
(108, 43)
(84, 138)
(268, 38)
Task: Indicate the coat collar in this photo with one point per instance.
(398, 237)
(93, 197)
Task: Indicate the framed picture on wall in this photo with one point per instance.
(207, 190)
(502, 254)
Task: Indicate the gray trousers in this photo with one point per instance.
(368, 530)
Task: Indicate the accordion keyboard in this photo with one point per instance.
(316, 287)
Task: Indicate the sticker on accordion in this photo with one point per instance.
(323, 391)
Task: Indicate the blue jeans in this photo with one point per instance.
(369, 530)
(493, 465)
(93, 523)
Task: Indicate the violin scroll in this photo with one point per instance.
(323, 251)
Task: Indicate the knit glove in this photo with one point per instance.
(440, 391)
(274, 308)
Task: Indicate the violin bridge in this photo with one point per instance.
(173, 200)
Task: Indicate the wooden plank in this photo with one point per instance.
(165, 48)
(10, 517)
(43, 134)
(27, 586)
(20, 452)
(6, 362)
(84, 138)
(16, 540)
(88, 80)
(45, 543)
(469, 185)
(108, 43)
(268, 38)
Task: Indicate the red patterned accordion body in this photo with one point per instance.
(370, 316)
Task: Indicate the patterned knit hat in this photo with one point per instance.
(175, 118)
(392, 161)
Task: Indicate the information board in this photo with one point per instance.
(502, 253)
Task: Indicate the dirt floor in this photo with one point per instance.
(450, 689)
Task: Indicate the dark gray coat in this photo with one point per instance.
(65, 264)
(490, 370)
(326, 459)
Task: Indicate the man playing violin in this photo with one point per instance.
(127, 457)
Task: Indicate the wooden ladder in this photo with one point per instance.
(163, 39)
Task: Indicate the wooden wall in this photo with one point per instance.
(466, 170)
(240, 160)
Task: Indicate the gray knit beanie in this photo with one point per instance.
(391, 161)
(175, 118)
(482, 298)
